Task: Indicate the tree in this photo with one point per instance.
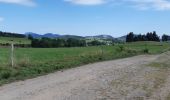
(30, 37)
(155, 36)
(165, 37)
(53, 43)
(35, 43)
(130, 37)
(61, 43)
(150, 36)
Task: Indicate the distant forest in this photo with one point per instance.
(150, 36)
(70, 42)
(53, 43)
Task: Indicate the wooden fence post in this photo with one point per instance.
(12, 54)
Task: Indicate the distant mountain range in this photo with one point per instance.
(51, 35)
(48, 35)
(122, 38)
(108, 37)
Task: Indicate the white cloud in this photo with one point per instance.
(87, 2)
(151, 4)
(21, 2)
(140, 4)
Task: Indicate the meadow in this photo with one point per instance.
(4, 40)
(32, 62)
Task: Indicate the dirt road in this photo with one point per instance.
(124, 79)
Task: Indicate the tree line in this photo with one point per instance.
(53, 43)
(150, 36)
(70, 42)
(9, 34)
(165, 37)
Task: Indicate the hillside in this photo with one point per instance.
(122, 38)
(103, 37)
(107, 39)
(52, 35)
(6, 40)
(48, 35)
(71, 36)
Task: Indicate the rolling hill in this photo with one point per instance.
(9, 40)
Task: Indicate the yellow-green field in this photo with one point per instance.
(4, 40)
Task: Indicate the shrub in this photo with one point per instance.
(120, 48)
(146, 50)
(131, 51)
(5, 74)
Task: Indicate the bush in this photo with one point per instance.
(131, 51)
(146, 50)
(120, 48)
(5, 74)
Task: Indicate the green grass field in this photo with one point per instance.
(4, 40)
(32, 62)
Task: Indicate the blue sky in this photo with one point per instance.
(85, 17)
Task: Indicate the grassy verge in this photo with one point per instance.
(162, 68)
(32, 62)
(162, 61)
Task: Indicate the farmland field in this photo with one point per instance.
(4, 40)
(31, 62)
